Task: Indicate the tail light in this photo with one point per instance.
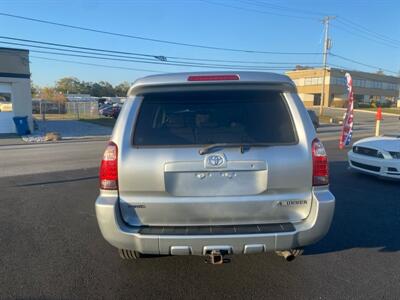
(320, 164)
(226, 77)
(109, 168)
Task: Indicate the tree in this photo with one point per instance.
(107, 89)
(34, 90)
(86, 87)
(121, 89)
(72, 85)
(102, 89)
(69, 85)
(51, 94)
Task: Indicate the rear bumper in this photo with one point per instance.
(122, 236)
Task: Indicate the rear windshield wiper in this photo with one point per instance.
(243, 147)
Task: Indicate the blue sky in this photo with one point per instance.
(266, 25)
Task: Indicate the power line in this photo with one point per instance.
(361, 63)
(280, 7)
(150, 39)
(100, 65)
(96, 65)
(134, 54)
(368, 31)
(74, 51)
(142, 60)
(342, 20)
(183, 64)
(364, 36)
(256, 10)
(178, 64)
(143, 70)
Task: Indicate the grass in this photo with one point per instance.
(107, 122)
(391, 110)
(63, 117)
(55, 116)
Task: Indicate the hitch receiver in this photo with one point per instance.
(215, 257)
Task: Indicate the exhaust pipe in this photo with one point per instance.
(286, 254)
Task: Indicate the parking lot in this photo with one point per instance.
(51, 247)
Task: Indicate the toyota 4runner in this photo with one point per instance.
(214, 164)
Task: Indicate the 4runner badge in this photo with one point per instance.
(291, 202)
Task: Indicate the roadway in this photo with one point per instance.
(364, 124)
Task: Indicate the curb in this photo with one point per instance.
(86, 139)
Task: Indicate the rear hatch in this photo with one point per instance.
(213, 157)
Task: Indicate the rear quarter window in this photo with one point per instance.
(208, 117)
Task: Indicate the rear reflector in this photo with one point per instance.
(109, 168)
(213, 77)
(320, 164)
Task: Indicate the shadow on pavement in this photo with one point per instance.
(367, 213)
(73, 128)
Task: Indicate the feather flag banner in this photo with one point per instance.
(347, 130)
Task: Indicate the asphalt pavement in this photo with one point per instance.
(51, 247)
(50, 157)
(73, 129)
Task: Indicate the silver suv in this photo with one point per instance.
(214, 164)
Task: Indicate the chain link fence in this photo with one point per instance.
(48, 107)
(66, 110)
(82, 110)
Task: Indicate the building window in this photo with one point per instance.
(5, 102)
(338, 81)
(312, 81)
(308, 81)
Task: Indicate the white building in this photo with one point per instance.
(15, 88)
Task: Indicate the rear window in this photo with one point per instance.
(208, 117)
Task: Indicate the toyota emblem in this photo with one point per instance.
(215, 160)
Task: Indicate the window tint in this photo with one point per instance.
(207, 117)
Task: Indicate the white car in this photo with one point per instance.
(377, 156)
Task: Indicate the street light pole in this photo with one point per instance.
(327, 46)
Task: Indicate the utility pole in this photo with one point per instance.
(327, 46)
